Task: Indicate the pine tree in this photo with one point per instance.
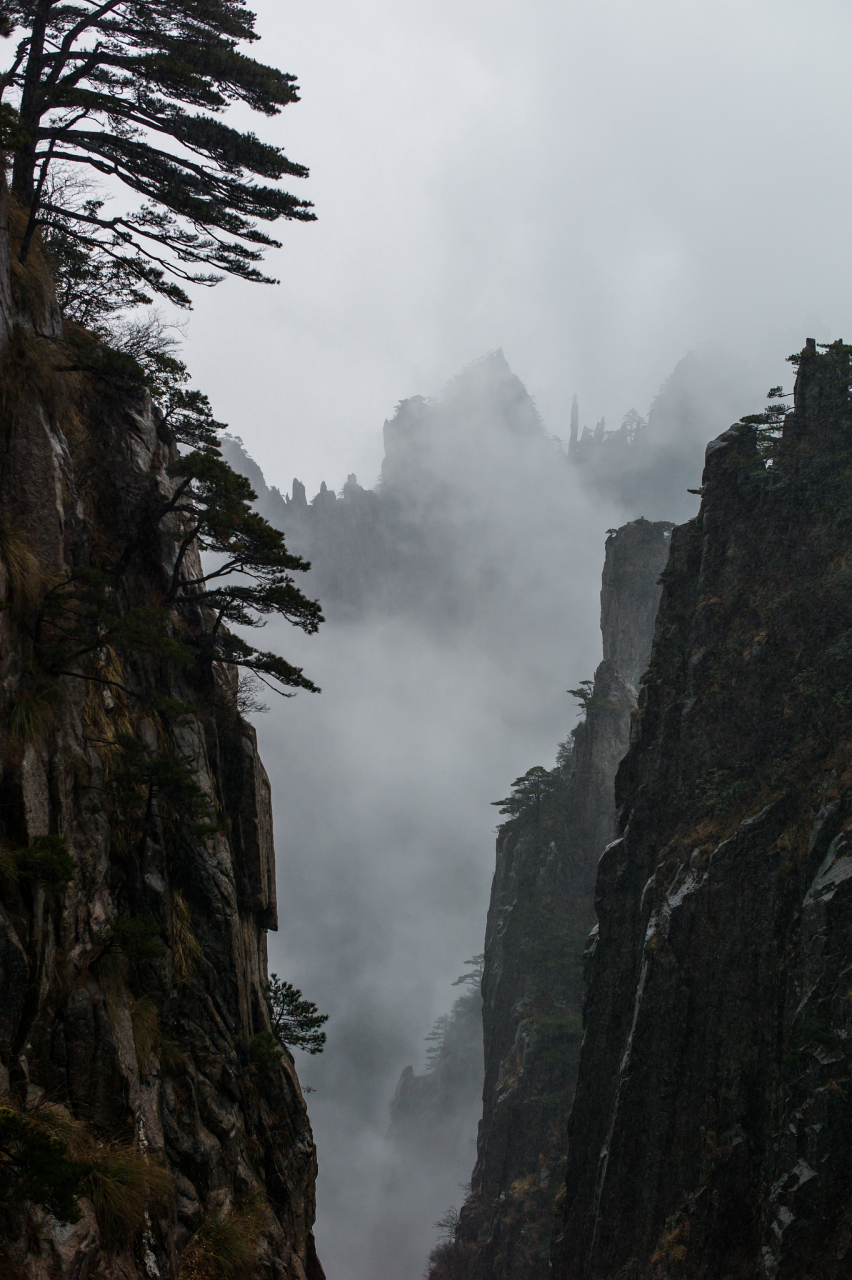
(584, 694)
(477, 968)
(295, 1021)
(134, 91)
(528, 792)
(435, 1040)
(251, 577)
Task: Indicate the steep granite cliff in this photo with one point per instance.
(149, 1127)
(711, 1133)
(387, 547)
(538, 921)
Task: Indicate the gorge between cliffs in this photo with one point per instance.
(637, 1065)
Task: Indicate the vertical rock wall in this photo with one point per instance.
(538, 921)
(132, 983)
(711, 1132)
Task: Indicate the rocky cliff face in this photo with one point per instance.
(540, 915)
(711, 1133)
(148, 1128)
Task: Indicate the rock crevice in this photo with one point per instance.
(539, 918)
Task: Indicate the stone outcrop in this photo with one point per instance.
(133, 1023)
(539, 918)
(711, 1132)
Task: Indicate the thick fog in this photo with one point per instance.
(646, 205)
(447, 683)
(433, 700)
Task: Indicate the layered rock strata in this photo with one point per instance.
(711, 1132)
(539, 917)
(133, 1026)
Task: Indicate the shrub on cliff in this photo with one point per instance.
(35, 1166)
(48, 1158)
(45, 861)
(123, 1185)
(225, 1246)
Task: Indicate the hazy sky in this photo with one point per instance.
(594, 187)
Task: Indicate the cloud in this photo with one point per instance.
(595, 188)
(444, 685)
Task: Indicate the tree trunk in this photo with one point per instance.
(23, 172)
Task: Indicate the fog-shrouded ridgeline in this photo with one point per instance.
(461, 594)
(437, 537)
(396, 547)
(475, 562)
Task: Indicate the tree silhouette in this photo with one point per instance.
(528, 792)
(134, 91)
(251, 575)
(295, 1021)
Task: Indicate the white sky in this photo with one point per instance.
(595, 187)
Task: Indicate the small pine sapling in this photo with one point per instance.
(36, 1167)
(295, 1021)
(46, 861)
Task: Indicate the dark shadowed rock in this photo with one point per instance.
(131, 996)
(711, 1132)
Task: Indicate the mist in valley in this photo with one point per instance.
(462, 601)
